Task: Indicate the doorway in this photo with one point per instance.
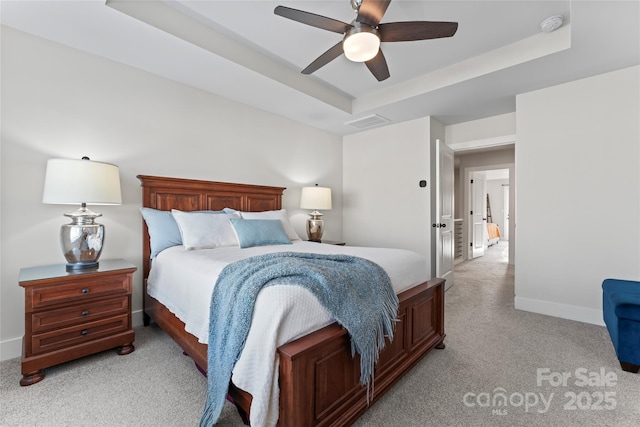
(497, 168)
(489, 209)
(486, 208)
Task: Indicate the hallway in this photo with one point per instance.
(487, 275)
(483, 289)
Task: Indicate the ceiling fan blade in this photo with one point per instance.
(325, 58)
(378, 66)
(372, 11)
(416, 30)
(312, 19)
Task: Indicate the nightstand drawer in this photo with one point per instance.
(80, 334)
(47, 296)
(78, 314)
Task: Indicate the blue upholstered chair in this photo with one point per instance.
(621, 311)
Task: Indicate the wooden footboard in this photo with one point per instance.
(319, 380)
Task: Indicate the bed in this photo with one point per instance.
(317, 378)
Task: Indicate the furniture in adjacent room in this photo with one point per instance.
(621, 311)
(318, 377)
(69, 315)
(458, 245)
(493, 233)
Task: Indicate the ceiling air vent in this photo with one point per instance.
(367, 122)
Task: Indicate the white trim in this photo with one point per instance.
(483, 143)
(564, 311)
(12, 348)
(136, 318)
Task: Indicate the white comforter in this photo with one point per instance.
(183, 281)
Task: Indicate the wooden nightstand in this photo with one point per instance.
(74, 314)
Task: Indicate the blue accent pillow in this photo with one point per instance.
(259, 232)
(163, 229)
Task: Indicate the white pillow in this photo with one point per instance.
(202, 230)
(281, 215)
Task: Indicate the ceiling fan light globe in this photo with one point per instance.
(361, 46)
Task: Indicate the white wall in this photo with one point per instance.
(60, 102)
(383, 202)
(578, 157)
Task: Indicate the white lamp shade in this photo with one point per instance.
(315, 198)
(71, 181)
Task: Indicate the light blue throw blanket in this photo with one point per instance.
(355, 291)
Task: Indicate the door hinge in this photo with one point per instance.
(471, 212)
(472, 181)
(471, 244)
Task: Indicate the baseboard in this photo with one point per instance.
(13, 347)
(564, 311)
(10, 348)
(136, 318)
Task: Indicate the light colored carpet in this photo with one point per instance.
(491, 348)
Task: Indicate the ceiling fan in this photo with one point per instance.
(362, 37)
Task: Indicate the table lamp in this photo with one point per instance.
(315, 198)
(83, 182)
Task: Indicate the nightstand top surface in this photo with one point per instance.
(30, 274)
(330, 242)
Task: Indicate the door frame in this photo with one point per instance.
(506, 190)
(440, 150)
(512, 207)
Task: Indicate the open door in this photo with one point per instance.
(478, 186)
(505, 219)
(444, 212)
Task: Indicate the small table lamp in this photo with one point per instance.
(70, 182)
(315, 198)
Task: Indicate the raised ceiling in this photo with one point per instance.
(243, 51)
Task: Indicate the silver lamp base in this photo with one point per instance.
(82, 240)
(315, 227)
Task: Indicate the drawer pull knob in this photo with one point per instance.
(85, 313)
(85, 291)
(85, 332)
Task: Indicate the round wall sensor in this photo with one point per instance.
(552, 23)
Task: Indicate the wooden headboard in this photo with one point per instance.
(192, 195)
